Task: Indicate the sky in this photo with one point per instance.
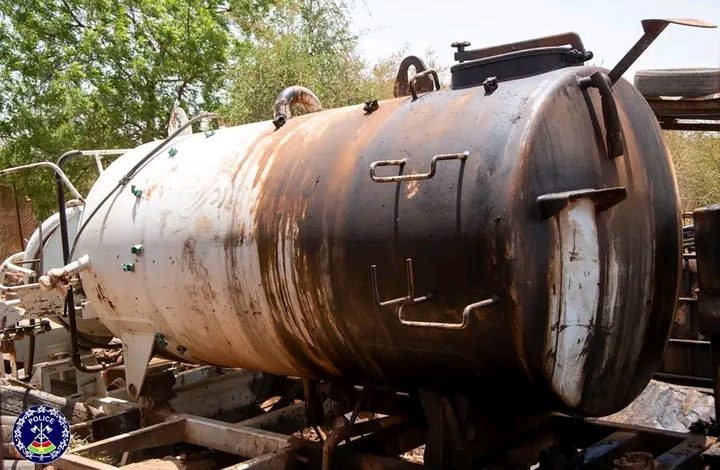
(608, 28)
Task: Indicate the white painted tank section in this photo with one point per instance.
(574, 294)
(181, 218)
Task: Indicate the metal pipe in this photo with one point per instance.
(96, 154)
(8, 265)
(293, 95)
(69, 297)
(19, 219)
(98, 162)
(58, 174)
(689, 342)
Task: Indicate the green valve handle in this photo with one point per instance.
(128, 267)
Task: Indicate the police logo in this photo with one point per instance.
(41, 434)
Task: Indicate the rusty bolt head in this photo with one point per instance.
(136, 249)
(490, 84)
(279, 122)
(128, 267)
(172, 152)
(137, 192)
(371, 106)
(460, 45)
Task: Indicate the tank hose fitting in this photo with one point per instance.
(294, 95)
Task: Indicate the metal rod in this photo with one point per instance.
(688, 342)
(98, 162)
(19, 220)
(683, 379)
(635, 52)
(58, 174)
(448, 326)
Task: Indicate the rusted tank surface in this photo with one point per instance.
(257, 244)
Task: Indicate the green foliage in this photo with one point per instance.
(105, 73)
(310, 44)
(696, 156)
(85, 74)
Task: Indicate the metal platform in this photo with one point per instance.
(687, 114)
(271, 441)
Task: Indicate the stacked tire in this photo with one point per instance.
(689, 83)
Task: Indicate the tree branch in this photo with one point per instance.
(77, 20)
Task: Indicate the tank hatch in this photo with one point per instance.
(516, 60)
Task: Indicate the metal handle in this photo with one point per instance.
(422, 74)
(448, 326)
(613, 126)
(416, 176)
(409, 299)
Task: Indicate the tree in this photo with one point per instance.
(106, 73)
(310, 43)
(697, 168)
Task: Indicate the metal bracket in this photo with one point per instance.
(401, 80)
(416, 176)
(138, 349)
(420, 75)
(551, 204)
(409, 299)
(449, 326)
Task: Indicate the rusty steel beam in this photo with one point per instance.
(685, 108)
(610, 447)
(273, 461)
(238, 440)
(686, 453)
(690, 126)
(77, 462)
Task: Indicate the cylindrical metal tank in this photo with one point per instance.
(257, 243)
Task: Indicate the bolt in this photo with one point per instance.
(371, 106)
(460, 45)
(136, 249)
(279, 122)
(160, 340)
(132, 389)
(181, 349)
(137, 192)
(172, 152)
(128, 267)
(490, 84)
(209, 133)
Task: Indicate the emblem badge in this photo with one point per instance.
(41, 434)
